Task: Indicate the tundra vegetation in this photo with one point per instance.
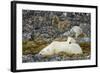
(41, 28)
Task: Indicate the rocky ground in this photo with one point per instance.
(40, 23)
(38, 58)
(31, 50)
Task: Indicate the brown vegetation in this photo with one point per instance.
(61, 25)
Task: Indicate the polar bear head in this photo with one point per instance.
(71, 40)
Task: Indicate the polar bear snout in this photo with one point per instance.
(42, 53)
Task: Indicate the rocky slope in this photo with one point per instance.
(39, 23)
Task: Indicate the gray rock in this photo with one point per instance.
(38, 58)
(66, 33)
(27, 58)
(84, 39)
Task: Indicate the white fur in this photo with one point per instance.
(77, 30)
(70, 46)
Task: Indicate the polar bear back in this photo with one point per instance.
(77, 30)
(57, 47)
(74, 49)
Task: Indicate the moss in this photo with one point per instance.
(86, 48)
(40, 41)
(32, 47)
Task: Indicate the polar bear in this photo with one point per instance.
(70, 46)
(76, 30)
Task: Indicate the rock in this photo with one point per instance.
(66, 33)
(26, 36)
(86, 27)
(41, 22)
(27, 58)
(61, 39)
(54, 58)
(45, 35)
(38, 58)
(65, 58)
(84, 39)
(58, 58)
